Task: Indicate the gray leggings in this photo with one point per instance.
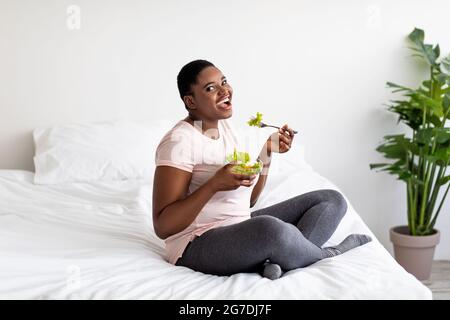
(289, 233)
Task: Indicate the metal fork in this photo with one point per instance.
(268, 125)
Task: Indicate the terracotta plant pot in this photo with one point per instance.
(414, 253)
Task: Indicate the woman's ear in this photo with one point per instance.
(189, 102)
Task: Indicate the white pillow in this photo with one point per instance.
(118, 150)
(111, 150)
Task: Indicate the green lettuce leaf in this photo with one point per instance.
(255, 121)
(243, 164)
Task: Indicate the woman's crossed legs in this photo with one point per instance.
(289, 234)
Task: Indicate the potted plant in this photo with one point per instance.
(420, 159)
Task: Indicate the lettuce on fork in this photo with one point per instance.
(243, 165)
(255, 121)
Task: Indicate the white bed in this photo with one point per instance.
(95, 241)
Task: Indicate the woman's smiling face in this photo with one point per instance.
(211, 96)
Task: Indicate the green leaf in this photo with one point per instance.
(394, 136)
(427, 84)
(440, 157)
(444, 180)
(446, 102)
(392, 151)
(442, 135)
(435, 120)
(405, 175)
(255, 121)
(441, 78)
(445, 67)
(437, 51)
(426, 51)
(401, 88)
(417, 36)
(424, 136)
(238, 156)
(377, 165)
(430, 104)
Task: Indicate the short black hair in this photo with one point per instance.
(188, 76)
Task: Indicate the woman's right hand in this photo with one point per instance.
(225, 180)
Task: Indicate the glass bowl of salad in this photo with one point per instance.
(243, 164)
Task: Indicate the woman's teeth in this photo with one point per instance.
(225, 104)
(224, 100)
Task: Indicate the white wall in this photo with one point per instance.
(321, 66)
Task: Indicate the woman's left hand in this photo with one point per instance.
(281, 141)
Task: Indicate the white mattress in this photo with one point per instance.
(96, 241)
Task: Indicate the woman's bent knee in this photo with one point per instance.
(272, 230)
(268, 224)
(338, 200)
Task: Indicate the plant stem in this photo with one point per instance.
(411, 222)
(408, 196)
(416, 194)
(435, 192)
(424, 196)
(439, 208)
(427, 164)
(412, 192)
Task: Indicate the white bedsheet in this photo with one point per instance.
(96, 241)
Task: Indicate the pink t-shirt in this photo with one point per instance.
(186, 148)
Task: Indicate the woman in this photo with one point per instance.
(202, 209)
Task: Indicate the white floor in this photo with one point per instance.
(439, 282)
